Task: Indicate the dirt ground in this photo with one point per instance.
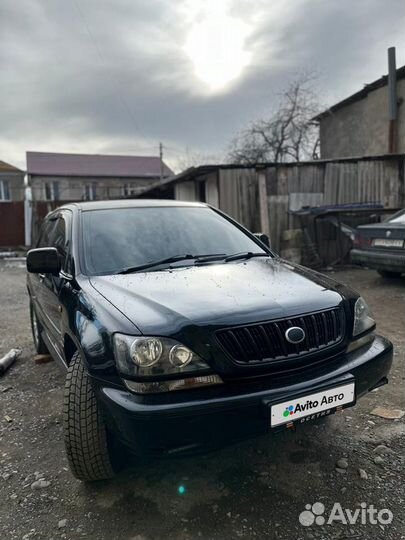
(254, 490)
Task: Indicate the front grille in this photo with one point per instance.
(266, 341)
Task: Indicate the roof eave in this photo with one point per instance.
(360, 94)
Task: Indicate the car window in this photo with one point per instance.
(118, 238)
(58, 239)
(46, 233)
(399, 217)
(53, 233)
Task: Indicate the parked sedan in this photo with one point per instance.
(180, 330)
(381, 246)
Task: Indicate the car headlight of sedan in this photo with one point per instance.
(154, 357)
(363, 319)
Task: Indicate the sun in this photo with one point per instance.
(216, 45)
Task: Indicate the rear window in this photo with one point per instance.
(114, 239)
(399, 217)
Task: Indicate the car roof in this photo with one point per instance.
(129, 203)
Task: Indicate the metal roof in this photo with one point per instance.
(200, 171)
(96, 165)
(6, 167)
(361, 94)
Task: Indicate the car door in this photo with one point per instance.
(53, 285)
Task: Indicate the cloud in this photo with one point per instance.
(100, 76)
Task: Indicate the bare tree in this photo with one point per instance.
(289, 134)
(191, 158)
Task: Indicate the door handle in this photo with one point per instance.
(41, 277)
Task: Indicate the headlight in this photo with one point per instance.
(146, 352)
(180, 356)
(363, 319)
(155, 357)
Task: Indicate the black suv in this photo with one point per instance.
(180, 330)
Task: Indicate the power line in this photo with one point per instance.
(161, 160)
(176, 150)
(100, 56)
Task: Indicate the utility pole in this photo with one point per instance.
(392, 102)
(161, 160)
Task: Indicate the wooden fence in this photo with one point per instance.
(263, 198)
(354, 180)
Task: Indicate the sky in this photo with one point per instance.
(120, 76)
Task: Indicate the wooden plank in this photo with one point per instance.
(391, 196)
(293, 179)
(311, 179)
(282, 180)
(249, 199)
(211, 190)
(278, 217)
(229, 193)
(238, 195)
(370, 180)
(271, 180)
(299, 200)
(263, 203)
(185, 191)
(253, 197)
(331, 184)
(347, 184)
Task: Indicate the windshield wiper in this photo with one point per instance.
(210, 258)
(167, 260)
(244, 255)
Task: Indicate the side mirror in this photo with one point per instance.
(264, 239)
(43, 261)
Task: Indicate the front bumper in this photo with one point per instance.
(192, 424)
(379, 259)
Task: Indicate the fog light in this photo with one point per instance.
(180, 356)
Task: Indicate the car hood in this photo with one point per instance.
(217, 295)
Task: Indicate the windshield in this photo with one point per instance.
(399, 217)
(120, 238)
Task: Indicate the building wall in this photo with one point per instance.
(186, 191)
(73, 188)
(15, 183)
(202, 189)
(361, 128)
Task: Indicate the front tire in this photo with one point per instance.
(36, 329)
(84, 427)
(388, 274)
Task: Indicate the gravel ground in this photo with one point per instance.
(254, 490)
